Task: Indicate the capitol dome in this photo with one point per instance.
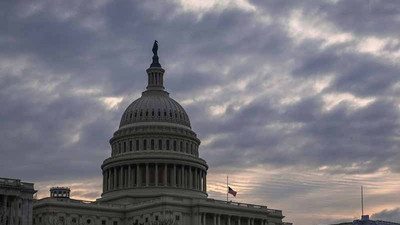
(154, 151)
(155, 106)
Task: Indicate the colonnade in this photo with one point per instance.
(16, 210)
(229, 220)
(155, 175)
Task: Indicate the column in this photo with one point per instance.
(215, 219)
(165, 174)
(239, 220)
(195, 178)
(174, 177)
(147, 174)
(183, 176)
(138, 175)
(115, 178)
(156, 173)
(204, 218)
(219, 219)
(248, 221)
(121, 176)
(129, 175)
(229, 220)
(199, 218)
(190, 178)
(104, 181)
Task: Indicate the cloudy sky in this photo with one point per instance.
(298, 101)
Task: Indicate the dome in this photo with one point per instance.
(155, 151)
(155, 106)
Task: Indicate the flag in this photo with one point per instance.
(231, 191)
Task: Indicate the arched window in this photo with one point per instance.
(152, 144)
(167, 144)
(144, 144)
(174, 145)
(137, 145)
(160, 144)
(124, 146)
(130, 145)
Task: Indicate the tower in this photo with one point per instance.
(154, 152)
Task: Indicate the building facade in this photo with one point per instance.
(154, 173)
(15, 202)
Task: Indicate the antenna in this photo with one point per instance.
(362, 201)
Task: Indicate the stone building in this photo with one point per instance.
(15, 202)
(154, 173)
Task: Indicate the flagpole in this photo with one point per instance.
(227, 189)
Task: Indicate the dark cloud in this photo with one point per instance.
(392, 215)
(60, 61)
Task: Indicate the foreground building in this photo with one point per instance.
(154, 173)
(15, 202)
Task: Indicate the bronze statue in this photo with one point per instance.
(155, 62)
(155, 48)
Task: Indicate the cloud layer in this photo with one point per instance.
(297, 98)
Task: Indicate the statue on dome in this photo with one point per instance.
(155, 48)
(155, 62)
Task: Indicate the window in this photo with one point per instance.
(147, 113)
(147, 220)
(181, 146)
(156, 218)
(135, 114)
(124, 146)
(144, 144)
(177, 218)
(187, 147)
(103, 222)
(130, 115)
(88, 221)
(119, 147)
(130, 145)
(141, 113)
(159, 112)
(152, 112)
(137, 145)
(152, 144)
(165, 113)
(174, 145)
(167, 143)
(33, 221)
(170, 113)
(115, 223)
(159, 144)
(73, 220)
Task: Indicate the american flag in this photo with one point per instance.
(231, 191)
